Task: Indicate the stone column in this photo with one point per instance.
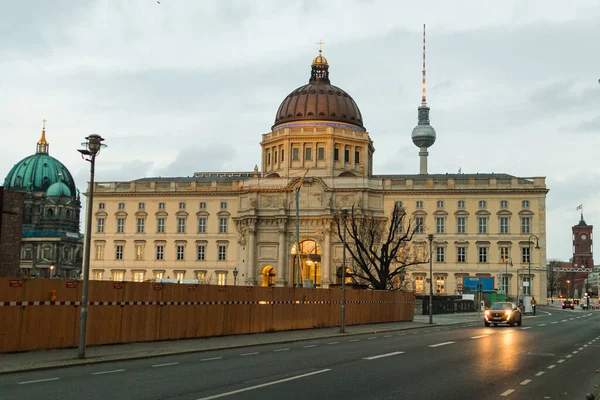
(251, 272)
(282, 269)
(326, 259)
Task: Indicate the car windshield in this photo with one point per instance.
(501, 306)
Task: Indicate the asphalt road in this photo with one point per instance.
(554, 355)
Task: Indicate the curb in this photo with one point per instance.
(76, 362)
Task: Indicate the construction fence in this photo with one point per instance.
(44, 313)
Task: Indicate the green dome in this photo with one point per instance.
(37, 173)
(58, 189)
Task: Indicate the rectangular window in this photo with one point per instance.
(179, 276)
(356, 157)
(99, 252)
(503, 254)
(419, 204)
(139, 251)
(504, 225)
(161, 206)
(418, 284)
(525, 255)
(440, 286)
(295, 154)
(158, 275)
(117, 276)
(201, 276)
(308, 153)
(182, 205)
(141, 206)
(440, 204)
(223, 205)
(321, 153)
(398, 204)
(268, 158)
(504, 284)
(282, 159)
(482, 204)
(526, 225)
(336, 154)
(275, 156)
(138, 276)
(180, 252)
(118, 252)
(420, 224)
(483, 254)
(346, 156)
(101, 206)
(120, 225)
(461, 254)
(140, 225)
(160, 225)
(221, 278)
(202, 205)
(181, 225)
(160, 252)
(223, 225)
(121, 206)
(201, 252)
(440, 225)
(482, 224)
(461, 204)
(526, 286)
(461, 224)
(98, 275)
(100, 225)
(503, 203)
(202, 225)
(525, 204)
(440, 254)
(222, 253)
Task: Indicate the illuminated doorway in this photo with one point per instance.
(310, 263)
(268, 276)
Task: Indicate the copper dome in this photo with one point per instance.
(319, 100)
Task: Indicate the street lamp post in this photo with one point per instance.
(568, 288)
(235, 274)
(537, 246)
(430, 237)
(343, 321)
(92, 145)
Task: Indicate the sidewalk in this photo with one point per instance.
(37, 360)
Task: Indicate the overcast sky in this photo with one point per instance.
(190, 85)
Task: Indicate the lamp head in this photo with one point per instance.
(235, 272)
(344, 213)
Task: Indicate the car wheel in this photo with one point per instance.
(486, 323)
(520, 322)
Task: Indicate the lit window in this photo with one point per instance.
(158, 274)
(117, 276)
(221, 278)
(138, 276)
(504, 254)
(181, 225)
(419, 284)
(202, 225)
(160, 225)
(98, 275)
(179, 276)
(483, 254)
(139, 251)
(99, 252)
(100, 225)
(223, 225)
(440, 284)
(222, 253)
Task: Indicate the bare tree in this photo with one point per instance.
(553, 277)
(380, 248)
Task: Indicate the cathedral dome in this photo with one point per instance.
(40, 171)
(319, 100)
(58, 189)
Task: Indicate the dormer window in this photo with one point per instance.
(121, 206)
(100, 206)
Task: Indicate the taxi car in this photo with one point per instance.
(503, 313)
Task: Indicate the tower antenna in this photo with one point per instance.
(424, 90)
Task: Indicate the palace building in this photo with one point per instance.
(240, 227)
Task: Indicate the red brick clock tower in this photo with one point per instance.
(582, 245)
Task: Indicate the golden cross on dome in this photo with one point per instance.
(320, 43)
(44, 121)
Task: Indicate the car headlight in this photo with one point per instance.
(487, 312)
(508, 312)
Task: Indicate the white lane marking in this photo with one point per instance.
(371, 338)
(478, 337)
(562, 360)
(402, 334)
(333, 343)
(551, 366)
(525, 382)
(354, 340)
(546, 312)
(309, 346)
(527, 327)
(38, 380)
(569, 355)
(386, 336)
(571, 319)
(542, 325)
(581, 348)
(264, 385)
(575, 352)
(395, 353)
(509, 391)
(540, 373)
(210, 359)
(249, 354)
(554, 322)
(564, 320)
(440, 344)
(426, 331)
(281, 350)
(108, 372)
(164, 365)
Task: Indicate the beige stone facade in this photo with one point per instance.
(212, 224)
